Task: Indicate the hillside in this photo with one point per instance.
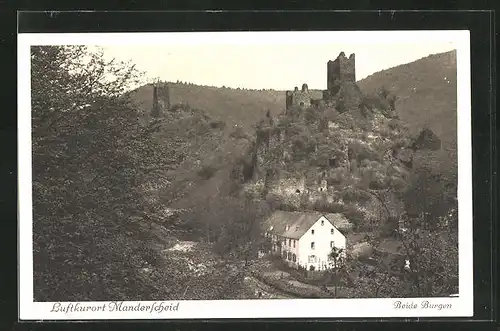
(427, 96)
(240, 107)
(426, 91)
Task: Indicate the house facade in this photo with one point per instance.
(306, 239)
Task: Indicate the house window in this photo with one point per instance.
(289, 242)
(331, 231)
(332, 244)
(312, 245)
(322, 222)
(294, 257)
(312, 258)
(312, 231)
(294, 244)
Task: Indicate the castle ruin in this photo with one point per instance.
(339, 71)
(298, 98)
(342, 69)
(161, 99)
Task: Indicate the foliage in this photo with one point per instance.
(232, 225)
(207, 171)
(430, 100)
(238, 133)
(429, 196)
(91, 160)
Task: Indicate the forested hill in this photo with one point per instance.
(426, 91)
(427, 96)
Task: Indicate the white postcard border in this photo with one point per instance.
(461, 306)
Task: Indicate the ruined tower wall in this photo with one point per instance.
(342, 69)
(161, 99)
(298, 98)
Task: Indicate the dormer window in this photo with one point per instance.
(297, 228)
(287, 227)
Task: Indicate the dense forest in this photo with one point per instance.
(114, 189)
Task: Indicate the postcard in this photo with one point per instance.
(200, 175)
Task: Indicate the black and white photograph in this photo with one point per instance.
(245, 174)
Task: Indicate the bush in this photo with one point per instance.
(361, 152)
(239, 133)
(355, 195)
(311, 115)
(207, 171)
(328, 207)
(346, 121)
(354, 215)
(394, 124)
(218, 124)
(377, 184)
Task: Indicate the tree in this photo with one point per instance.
(429, 196)
(338, 266)
(92, 159)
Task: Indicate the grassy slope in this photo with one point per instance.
(427, 96)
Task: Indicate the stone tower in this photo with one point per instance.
(161, 99)
(342, 69)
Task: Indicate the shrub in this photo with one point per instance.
(207, 171)
(328, 207)
(353, 214)
(346, 121)
(377, 184)
(355, 195)
(311, 115)
(360, 152)
(218, 124)
(239, 133)
(394, 124)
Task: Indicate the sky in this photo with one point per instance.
(261, 61)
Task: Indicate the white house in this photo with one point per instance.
(306, 238)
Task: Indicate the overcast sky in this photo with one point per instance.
(261, 61)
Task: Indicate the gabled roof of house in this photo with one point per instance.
(299, 222)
